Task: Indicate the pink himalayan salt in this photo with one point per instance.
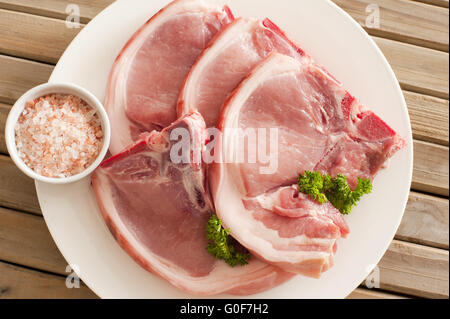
(58, 135)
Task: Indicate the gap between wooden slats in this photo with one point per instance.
(34, 37)
(18, 282)
(18, 76)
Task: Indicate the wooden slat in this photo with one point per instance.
(415, 270)
(431, 168)
(418, 69)
(403, 20)
(18, 282)
(429, 117)
(361, 293)
(25, 240)
(18, 75)
(426, 221)
(4, 110)
(57, 8)
(440, 3)
(34, 37)
(17, 191)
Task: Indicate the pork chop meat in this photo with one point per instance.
(148, 74)
(321, 127)
(157, 207)
(233, 53)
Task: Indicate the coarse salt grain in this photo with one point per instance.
(58, 135)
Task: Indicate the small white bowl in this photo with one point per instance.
(59, 88)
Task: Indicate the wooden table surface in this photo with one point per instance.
(414, 36)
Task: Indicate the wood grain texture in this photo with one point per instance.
(418, 69)
(17, 190)
(440, 3)
(429, 117)
(4, 110)
(34, 37)
(25, 240)
(17, 282)
(18, 76)
(403, 20)
(426, 221)
(57, 8)
(431, 168)
(415, 270)
(362, 293)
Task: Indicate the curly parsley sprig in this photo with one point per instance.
(324, 188)
(220, 245)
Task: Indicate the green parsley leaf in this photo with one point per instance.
(324, 188)
(221, 243)
(312, 184)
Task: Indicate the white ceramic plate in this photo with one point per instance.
(336, 41)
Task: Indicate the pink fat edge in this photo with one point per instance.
(272, 26)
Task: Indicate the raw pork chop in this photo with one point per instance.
(238, 48)
(157, 211)
(320, 127)
(148, 74)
